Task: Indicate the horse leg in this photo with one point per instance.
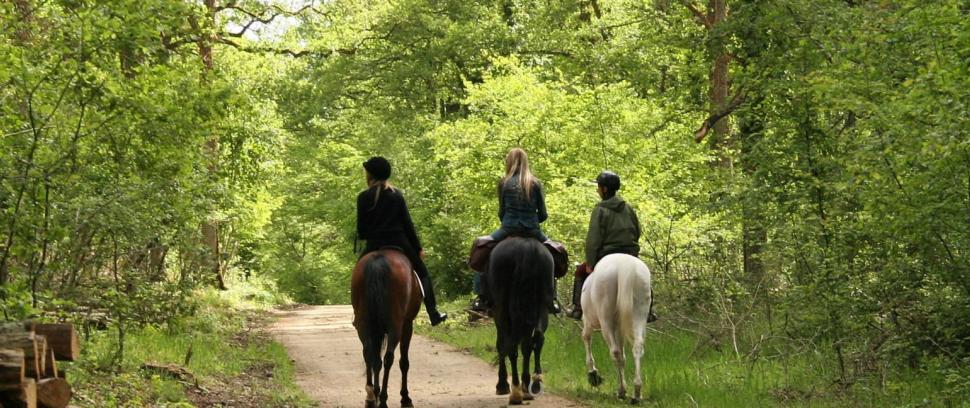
(388, 362)
(526, 376)
(535, 387)
(516, 397)
(502, 387)
(371, 400)
(615, 341)
(405, 364)
(637, 356)
(376, 366)
(592, 375)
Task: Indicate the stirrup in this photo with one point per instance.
(437, 317)
(555, 308)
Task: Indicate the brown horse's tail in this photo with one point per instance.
(376, 271)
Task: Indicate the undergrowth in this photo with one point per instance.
(682, 370)
(217, 356)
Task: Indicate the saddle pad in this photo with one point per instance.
(418, 278)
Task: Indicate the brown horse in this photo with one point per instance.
(386, 297)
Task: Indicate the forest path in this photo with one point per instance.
(330, 369)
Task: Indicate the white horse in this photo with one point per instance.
(616, 299)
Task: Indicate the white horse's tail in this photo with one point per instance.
(632, 297)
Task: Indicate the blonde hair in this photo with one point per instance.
(381, 185)
(517, 162)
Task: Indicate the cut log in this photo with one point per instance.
(50, 369)
(41, 372)
(23, 395)
(7, 328)
(25, 341)
(53, 393)
(11, 366)
(61, 337)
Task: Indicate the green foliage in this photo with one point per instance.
(832, 209)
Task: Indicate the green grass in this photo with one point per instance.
(223, 346)
(678, 373)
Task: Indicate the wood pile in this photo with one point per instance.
(29, 352)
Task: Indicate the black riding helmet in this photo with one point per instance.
(609, 180)
(378, 167)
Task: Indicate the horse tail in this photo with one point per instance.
(529, 286)
(376, 272)
(633, 291)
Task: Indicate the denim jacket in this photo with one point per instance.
(515, 211)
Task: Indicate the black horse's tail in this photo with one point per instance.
(376, 272)
(531, 283)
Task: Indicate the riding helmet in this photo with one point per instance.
(378, 167)
(609, 180)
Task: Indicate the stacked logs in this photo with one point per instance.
(29, 353)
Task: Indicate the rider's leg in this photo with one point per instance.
(430, 304)
(499, 234)
(554, 307)
(578, 281)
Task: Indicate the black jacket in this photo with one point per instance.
(387, 220)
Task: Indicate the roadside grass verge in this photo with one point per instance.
(678, 372)
(229, 360)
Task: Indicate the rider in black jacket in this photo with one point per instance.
(383, 220)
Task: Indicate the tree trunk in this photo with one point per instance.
(754, 236)
(25, 12)
(720, 82)
(210, 227)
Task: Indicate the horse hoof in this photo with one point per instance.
(634, 401)
(594, 378)
(406, 403)
(370, 404)
(528, 397)
(621, 395)
(535, 387)
(516, 397)
(502, 389)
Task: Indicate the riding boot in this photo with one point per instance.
(430, 305)
(554, 307)
(577, 312)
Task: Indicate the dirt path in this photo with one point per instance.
(329, 366)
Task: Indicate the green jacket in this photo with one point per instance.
(613, 228)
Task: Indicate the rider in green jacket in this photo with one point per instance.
(613, 229)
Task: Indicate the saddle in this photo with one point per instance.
(482, 249)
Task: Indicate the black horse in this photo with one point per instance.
(520, 275)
